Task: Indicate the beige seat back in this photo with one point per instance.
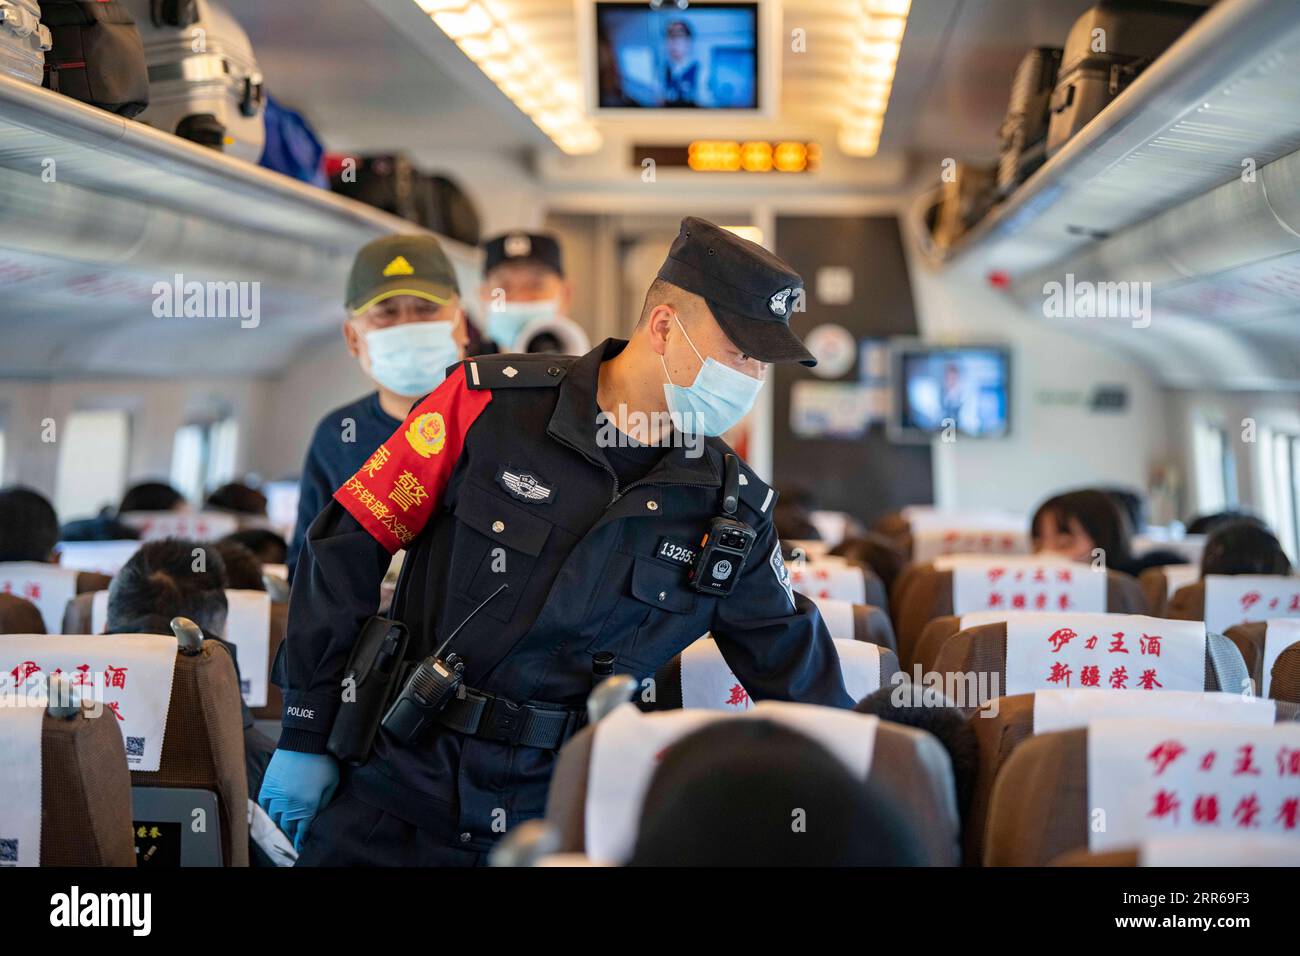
(19, 616)
(1000, 727)
(926, 593)
(203, 745)
(85, 793)
(909, 766)
(982, 650)
(1038, 811)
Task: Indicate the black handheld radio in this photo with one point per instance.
(726, 544)
(431, 686)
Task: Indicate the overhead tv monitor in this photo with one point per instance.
(965, 390)
(711, 56)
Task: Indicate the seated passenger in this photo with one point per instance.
(1204, 524)
(926, 709)
(243, 569)
(792, 515)
(724, 796)
(1243, 547)
(29, 527)
(161, 582)
(238, 498)
(877, 551)
(267, 546)
(152, 496)
(1078, 524)
(103, 527)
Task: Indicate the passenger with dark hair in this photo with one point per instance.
(238, 498)
(152, 496)
(29, 526)
(267, 546)
(243, 570)
(792, 514)
(172, 578)
(1079, 523)
(1131, 504)
(878, 552)
(926, 709)
(103, 527)
(1243, 547)
(723, 796)
(1204, 524)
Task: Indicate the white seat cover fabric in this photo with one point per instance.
(1179, 576)
(128, 674)
(1033, 583)
(1115, 651)
(1200, 849)
(20, 783)
(708, 682)
(838, 616)
(101, 557)
(49, 586)
(1068, 709)
(1232, 599)
(843, 582)
(628, 745)
(1148, 778)
(194, 525)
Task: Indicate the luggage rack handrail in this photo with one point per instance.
(81, 138)
(1223, 43)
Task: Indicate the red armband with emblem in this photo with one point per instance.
(398, 489)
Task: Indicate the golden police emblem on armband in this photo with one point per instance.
(427, 434)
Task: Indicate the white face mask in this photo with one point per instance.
(507, 320)
(717, 399)
(411, 359)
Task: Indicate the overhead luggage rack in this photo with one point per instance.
(1224, 93)
(126, 159)
(95, 210)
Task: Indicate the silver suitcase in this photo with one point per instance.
(23, 41)
(204, 82)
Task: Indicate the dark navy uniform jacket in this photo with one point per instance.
(584, 562)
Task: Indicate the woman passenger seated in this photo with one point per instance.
(1243, 547)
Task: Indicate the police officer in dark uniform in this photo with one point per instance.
(587, 487)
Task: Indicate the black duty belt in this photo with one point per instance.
(480, 714)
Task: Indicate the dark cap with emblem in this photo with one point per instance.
(537, 248)
(749, 290)
(400, 265)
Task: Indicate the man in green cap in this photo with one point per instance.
(405, 327)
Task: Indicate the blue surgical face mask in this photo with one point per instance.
(717, 399)
(412, 358)
(507, 320)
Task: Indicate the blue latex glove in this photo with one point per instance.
(294, 788)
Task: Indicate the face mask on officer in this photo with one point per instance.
(507, 320)
(412, 358)
(717, 399)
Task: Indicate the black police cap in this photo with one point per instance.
(523, 247)
(750, 291)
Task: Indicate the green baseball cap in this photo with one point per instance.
(400, 265)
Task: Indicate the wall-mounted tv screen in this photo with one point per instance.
(964, 389)
(705, 57)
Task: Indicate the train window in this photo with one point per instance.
(1280, 458)
(203, 456)
(1216, 468)
(93, 451)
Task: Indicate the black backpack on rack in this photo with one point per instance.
(97, 56)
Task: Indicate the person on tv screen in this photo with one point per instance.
(681, 70)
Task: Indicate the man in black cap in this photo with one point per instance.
(404, 327)
(588, 503)
(524, 286)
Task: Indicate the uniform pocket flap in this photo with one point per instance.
(661, 586)
(500, 520)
